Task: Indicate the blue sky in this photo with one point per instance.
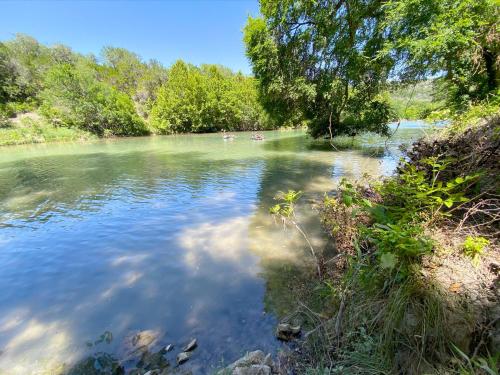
(200, 31)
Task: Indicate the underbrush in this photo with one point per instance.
(414, 287)
(38, 131)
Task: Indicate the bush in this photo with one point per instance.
(75, 98)
(474, 247)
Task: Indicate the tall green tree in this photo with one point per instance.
(318, 62)
(7, 75)
(206, 99)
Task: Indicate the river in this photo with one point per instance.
(169, 236)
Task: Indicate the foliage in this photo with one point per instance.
(476, 114)
(26, 61)
(317, 63)
(422, 191)
(286, 207)
(474, 247)
(391, 216)
(478, 365)
(326, 63)
(122, 68)
(74, 98)
(285, 211)
(396, 241)
(126, 72)
(458, 39)
(40, 131)
(205, 99)
(415, 101)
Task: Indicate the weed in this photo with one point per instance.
(474, 247)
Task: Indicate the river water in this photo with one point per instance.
(160, 238)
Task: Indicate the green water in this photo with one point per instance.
(169, 235)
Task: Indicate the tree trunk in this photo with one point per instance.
(491, 70)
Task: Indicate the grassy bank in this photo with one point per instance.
(31, 128)
(413, 288)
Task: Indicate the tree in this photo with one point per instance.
(317, 62)
(123, 68)
(456, 39)
(7, 76)
(29, 61)
(74, 97)
(153, 77)
(206, 99)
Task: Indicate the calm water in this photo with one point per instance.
(168, 235)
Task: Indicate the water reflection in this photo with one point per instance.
(169, 235)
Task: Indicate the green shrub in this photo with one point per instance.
(474, 246)
(398, 243)
(417, 194)
(75, 98)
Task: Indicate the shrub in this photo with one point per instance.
(74, 97)
(474, 247)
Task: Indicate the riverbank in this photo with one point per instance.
(414, 286)
(31, 128)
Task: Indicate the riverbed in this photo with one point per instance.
(166, 236)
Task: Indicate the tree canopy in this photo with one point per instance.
(205, 99)
(456, 39)
(317, 62)
(74, 97)
(327, 63)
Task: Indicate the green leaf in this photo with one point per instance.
(388, 261)
(347, 199)
(448, 203)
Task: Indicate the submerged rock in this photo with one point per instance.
(183, 357)
(191, 346)
(286, 331)
(252, 370)
(253, 363)
(156, 372)
(153, 361)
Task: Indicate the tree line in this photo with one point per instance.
(118, 93)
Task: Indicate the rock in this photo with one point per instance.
(152, 361)
(137, 343)
(252, 370)
(157, 372)
(268, 361)
(252, 363)
(286, 331)
(253, 358)
(191, 346)
(183, 357)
